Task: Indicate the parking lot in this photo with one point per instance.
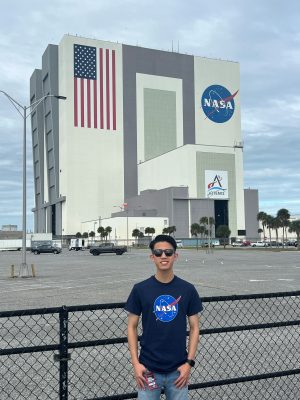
(74, 278)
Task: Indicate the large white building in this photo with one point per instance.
(160, 131)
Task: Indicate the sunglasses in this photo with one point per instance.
(159, 252)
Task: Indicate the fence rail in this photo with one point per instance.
(249, 349)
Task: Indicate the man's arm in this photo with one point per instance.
(139, 369)
(185, 369)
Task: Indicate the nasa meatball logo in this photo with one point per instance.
(218, 103)
(166, 308)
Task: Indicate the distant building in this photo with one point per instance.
(9, 228)
(159, 131)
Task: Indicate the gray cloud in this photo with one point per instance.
(263, 36)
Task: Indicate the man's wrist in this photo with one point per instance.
(190, 362)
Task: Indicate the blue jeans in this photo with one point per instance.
(166, 382)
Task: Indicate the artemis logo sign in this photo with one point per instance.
(218, 103)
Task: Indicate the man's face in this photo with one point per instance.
(163, 261)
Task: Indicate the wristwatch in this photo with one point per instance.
(190, 362)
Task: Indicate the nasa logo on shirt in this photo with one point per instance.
(218, 103)
(166, 307)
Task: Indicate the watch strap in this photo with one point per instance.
(190, 362)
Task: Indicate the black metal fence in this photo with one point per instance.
(249, 349)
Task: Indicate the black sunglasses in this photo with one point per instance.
(159, 252)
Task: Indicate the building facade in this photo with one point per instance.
(160, 131)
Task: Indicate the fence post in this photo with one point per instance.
(63, 353)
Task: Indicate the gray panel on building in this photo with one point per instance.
(251, 211)
(160, 63)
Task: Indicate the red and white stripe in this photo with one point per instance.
(95, 100)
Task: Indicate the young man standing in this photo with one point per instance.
(165, 302)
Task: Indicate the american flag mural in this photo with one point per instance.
(94, 88)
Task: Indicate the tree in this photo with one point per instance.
(276, 224)
(283, 216)
(269, 222)
(135, 233)
(169, 230)
(108, 229)
(261, 216)
(259, 231)
(78, 235)
(104, 235)
(85, 235)
(204, 222)
(295, 227)
(195, 230)
(100, 230)
(202, 231)
(149, 231)
(211, 223)
(92, 234)
(172, 229)
(223, 232)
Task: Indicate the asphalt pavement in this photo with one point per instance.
(75, 278)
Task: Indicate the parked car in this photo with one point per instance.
(293, 243)
(260, 244)
(108, 248)
(237, 243)
(273, 243)
(179, 243)
(46, 248)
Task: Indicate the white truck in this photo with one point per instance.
(76, 244)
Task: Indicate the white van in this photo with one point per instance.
(179, 243)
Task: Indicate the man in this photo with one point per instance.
(165, 302)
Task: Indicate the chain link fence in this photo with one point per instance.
(249, 349)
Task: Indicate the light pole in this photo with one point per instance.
(22, 110)
(124, 207)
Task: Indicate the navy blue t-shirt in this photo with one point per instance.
(164, 308)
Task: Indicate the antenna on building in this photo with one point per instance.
(238, 145)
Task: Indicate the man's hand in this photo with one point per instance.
(183, 379)
(139, 371)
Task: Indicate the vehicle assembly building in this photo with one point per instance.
(158, 131)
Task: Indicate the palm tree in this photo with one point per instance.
(211, 223)
(276, 224)
(269, 222)
(195, 230)
(204, 222)
(108, 229)
(85, 235)
(261, 216)
(295, 227)
(78, 235)
(284, 217)
(202, 231)
(100, 230)
(92, 234)
(259, 231)
(149, 230)
(223, 232)
(104, 234)
(172, 229)
(135, 233)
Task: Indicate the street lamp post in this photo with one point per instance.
(22, 110)
(124, 207)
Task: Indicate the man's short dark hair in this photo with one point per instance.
(163, 238)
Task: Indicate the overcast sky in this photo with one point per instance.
(262, 35)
